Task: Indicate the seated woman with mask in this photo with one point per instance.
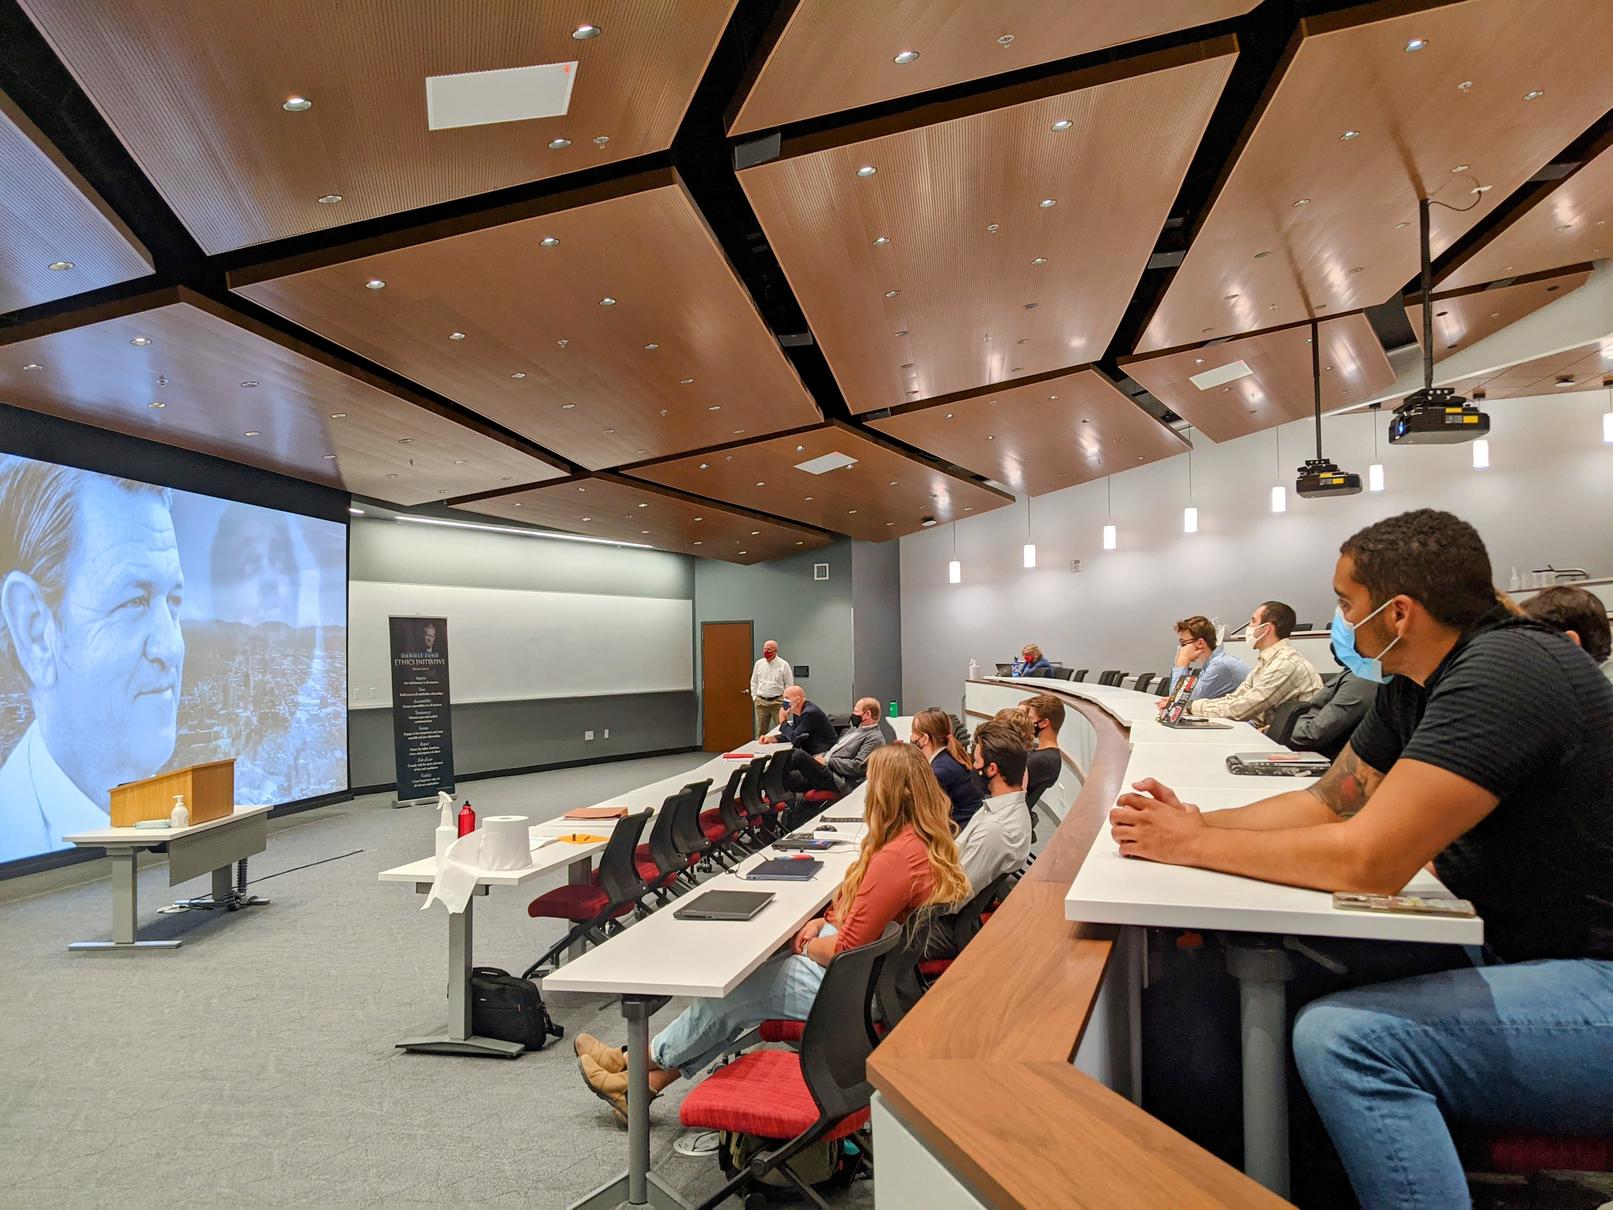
(933, 736)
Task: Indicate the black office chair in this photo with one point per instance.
(1283, 719)
(821, 1093)
(1111, 677)
(1060, 673)
(1081, 674)
(900, 984)
(595, 908)
(763, 818)
(659, 861)
(1144, 680)
(687, 834)
(724, 825)
(1164, 685)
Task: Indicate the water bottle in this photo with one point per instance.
(467, 819)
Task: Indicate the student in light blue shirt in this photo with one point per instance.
(1220, 672)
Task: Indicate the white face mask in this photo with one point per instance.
(1252, 634)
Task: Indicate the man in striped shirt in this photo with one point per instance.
(1280, 673)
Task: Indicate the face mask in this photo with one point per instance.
(1250, 636)
(1343, 633)
(983, 782)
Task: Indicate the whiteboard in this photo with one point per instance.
(511, 644)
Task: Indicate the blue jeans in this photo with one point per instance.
(1525, 1047)
(783, 987)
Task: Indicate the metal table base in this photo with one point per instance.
(457, 1038)
(1263, 969)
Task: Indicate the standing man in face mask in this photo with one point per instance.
(769, 679)
(998, 835)
(1280, 674)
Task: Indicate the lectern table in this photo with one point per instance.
(215, 845)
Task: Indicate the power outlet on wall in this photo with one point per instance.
(1075, 564)
(588, 735)
(607, 732)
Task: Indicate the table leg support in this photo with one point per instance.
(458, 1039)
(638, 1186)
(125, 907)
(1263, 969)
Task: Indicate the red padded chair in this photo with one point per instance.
(660, 863)
(795, 806)
(595, 908)
(724, 825)
(763, 816)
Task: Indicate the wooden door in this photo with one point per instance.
(725, 664)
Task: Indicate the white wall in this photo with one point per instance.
(1547, 497)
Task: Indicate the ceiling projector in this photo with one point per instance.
(1322, 477)
(1437, 416)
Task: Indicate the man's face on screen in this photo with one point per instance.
(255, 576)
(112, 710)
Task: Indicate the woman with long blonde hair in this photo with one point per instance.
(933, 736)
(907, 860)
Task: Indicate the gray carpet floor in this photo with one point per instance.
(255, 1064)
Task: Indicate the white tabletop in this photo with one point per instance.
(146, 838)
(1241, 736)
(546, 856)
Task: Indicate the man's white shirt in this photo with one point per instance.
(39, 804)
(996, 839)
(770, 678)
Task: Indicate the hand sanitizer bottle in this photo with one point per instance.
(179, 817)
(447, 833)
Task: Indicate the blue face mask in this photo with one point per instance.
(1343, 633)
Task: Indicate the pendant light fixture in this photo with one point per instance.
(1607, 416)
(954, 568)
(1279, 494)
(1190, 515)
(1375, 471)
(1030, 546)
(1320, 476)
(1481, 453)
(1434, 415)
(1109, 529)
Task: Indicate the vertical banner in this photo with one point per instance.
(422, 731)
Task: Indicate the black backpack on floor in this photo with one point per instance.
(510, 1009)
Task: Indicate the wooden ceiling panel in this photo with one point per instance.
(1278, 387)
(540, 353)
(195, 90)
(51, 217)
(1307, 221)
(1586, 367)
(884, 494)
(1038, 437)
(835, 55)
(607, 506)
(1462, 318)
(234, 389)
(980, 283)
(1561, 223)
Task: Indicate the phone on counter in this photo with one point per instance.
(1410, 905)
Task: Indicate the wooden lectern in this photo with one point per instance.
(209, 791)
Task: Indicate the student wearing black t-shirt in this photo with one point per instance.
(1489, 751)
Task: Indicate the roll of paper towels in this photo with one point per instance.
(506, 842)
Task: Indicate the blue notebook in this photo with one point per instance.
(785, 869)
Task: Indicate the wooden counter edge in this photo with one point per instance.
(1000, 1100)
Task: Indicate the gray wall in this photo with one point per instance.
(876, 601)
(1546, 497)
(811, 619)
(490, 736)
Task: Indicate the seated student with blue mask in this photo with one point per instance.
(1488, 751)
(1031, 662)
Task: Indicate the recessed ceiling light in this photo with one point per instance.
(1030, 306)
(881, 241)
(562, 343)
(607, 301)
(252, 433)
(1358, 269)
(991, 228)
(892, 293)
(607, 432)
(1304, 201)
(392, 474)
(1023, 340)
(296, 105)
(1047, 203)
(328, 457)
(906, 365)
(643, 505)
(1231, 298)
(1480, 189)
(906, 57)
(1564, 226)
(851, 510)
(559, 144)
(548, 241)
(808, 499)
(601, 139)
(519, 374)
(1464, 86)
(1567, 380)
(33, 365)
(328, 199)
(1416, 44)
(1534, 94)
(405, 440)
(1198, 361)
(140, 342)
(737, 432)
(867, 170)
(566, 407)
(755, 533)
(585, 31)
(1039, 260)
(651, 347)
(1349, 136)
(1063, 124)
(697, 541)
(1458, 168)
(1263, 255)
(338, 415)
(249, 384)
(949, 415)
(716, 407)
(1401, 226)
(903, 332)
(156, 403)
(705, 466)
(461, 461)
(375, 283)
(58, 266)
(1006, 40)
(456, 336)
(685, 381)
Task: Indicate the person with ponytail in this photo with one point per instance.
(933, 736)
(908, 860)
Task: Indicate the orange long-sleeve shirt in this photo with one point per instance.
(898, 880)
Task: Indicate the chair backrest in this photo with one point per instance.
(1111, 677)
(839, 1033)
(618, 871)
(773, 777)
(687, 833)
(1164, 686)
(1144, 679)
(1283, 719)
(663, 847)
(750, 789)
(1059, 673)
(728, 803)
(967, 922)
(899, 987)
(1081, 674)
